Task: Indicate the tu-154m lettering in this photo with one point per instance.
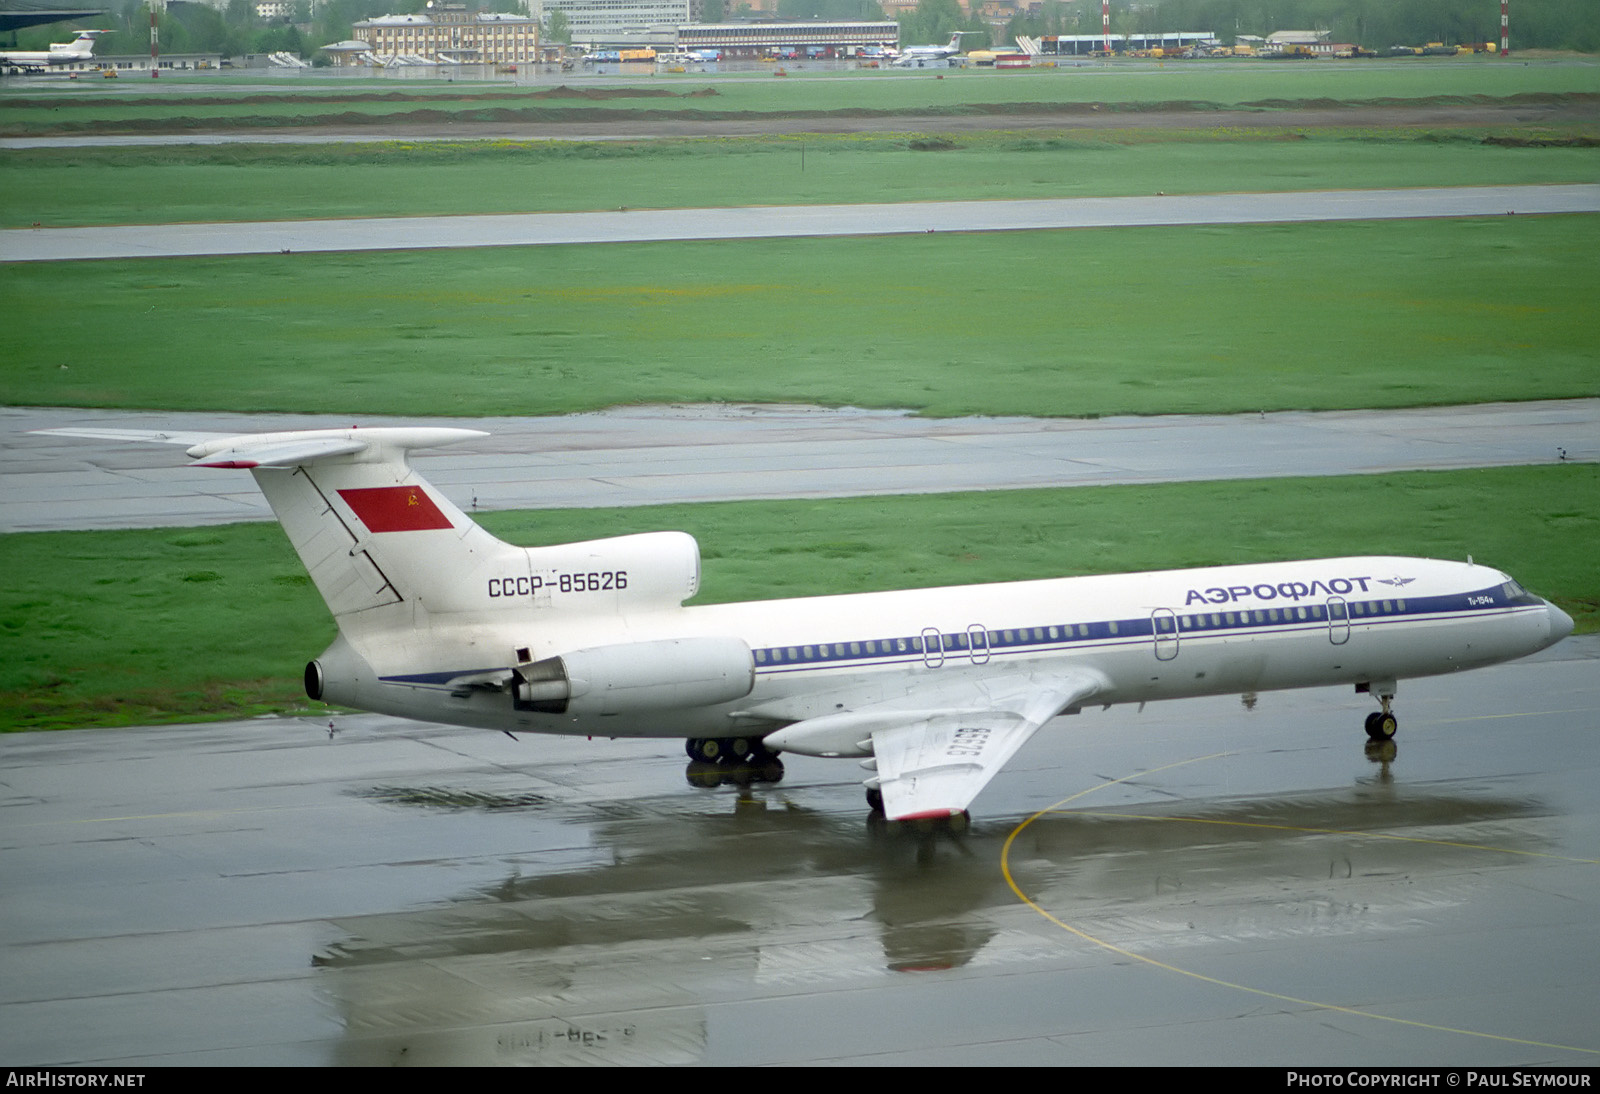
(932, 689)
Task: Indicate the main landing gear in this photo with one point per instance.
(736, 750)
(741, 760)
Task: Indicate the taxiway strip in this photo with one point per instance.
(653, 225)
(664, 454)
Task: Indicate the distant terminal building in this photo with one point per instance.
(450, 34)
(1081, 45)
(597, 22)
(129, 64)
(1296, 43)
(811, 37)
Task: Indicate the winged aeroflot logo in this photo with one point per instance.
(1397, 582)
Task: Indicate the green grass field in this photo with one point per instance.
(225, 617)
(1070, 323)
(59, 187)
(174, 624)
(1265, 87)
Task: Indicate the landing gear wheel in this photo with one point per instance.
(708, 749)
(875, 799)
(1381, 725)
(737, 749)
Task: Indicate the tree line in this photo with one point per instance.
(1535, 24)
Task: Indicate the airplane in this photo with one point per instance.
(934, 690)
(80, 48)
(921, 54)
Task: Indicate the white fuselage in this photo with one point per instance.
(1163, 635)
(934, 690)
(60, 53)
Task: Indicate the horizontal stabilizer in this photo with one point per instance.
(289, 453)
(147, 436)
(300, 447)
(285, 449)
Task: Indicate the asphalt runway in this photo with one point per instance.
(656, 455)
(1208, 885)
(646, 225)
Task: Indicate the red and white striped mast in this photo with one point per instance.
(1505, 32)
(1105, 23)
(155, 66)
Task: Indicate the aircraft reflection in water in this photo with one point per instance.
(606, 960)
(933, 689)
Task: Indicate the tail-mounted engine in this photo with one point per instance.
(637, 676)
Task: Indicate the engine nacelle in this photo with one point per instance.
(649, 570)
(633, 677)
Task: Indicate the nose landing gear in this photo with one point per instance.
(1381, 724)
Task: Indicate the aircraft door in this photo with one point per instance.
(1338, 621)
(1164, 629)
(932, 647)
(978, 644)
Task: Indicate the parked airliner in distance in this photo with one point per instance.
(80, 48)
(933, 690)
(911, 55)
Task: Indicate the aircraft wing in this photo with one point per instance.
(933, 766)
(932, 761)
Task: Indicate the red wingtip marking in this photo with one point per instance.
(930, 814)
(230, 463)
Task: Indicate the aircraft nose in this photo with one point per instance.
(1560, 622)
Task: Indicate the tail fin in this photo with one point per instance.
(388, 551)
(369, 529)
